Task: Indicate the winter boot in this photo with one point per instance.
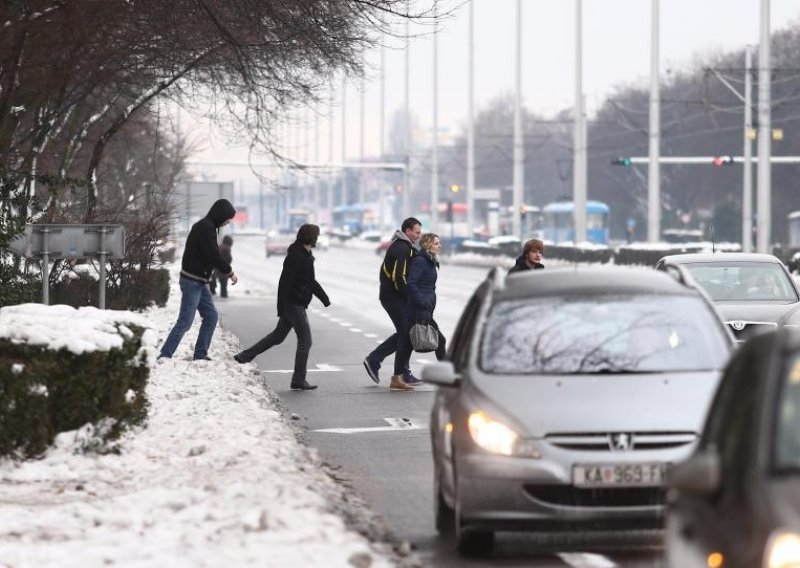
(397, 384)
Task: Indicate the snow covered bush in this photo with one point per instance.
(62, 368)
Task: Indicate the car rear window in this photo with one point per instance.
(787, 427)
(743, 281)
(602, 334)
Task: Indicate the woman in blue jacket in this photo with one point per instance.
(421, 287)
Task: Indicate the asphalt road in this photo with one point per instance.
(377, 439)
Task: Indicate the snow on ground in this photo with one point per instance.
(216, 478)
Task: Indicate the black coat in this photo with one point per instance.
(422, 275)
(521, 265)
(201, 254)
(298, 283)
(394, 269)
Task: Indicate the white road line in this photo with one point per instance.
(395, 424)
(586, 560)
(370, 335)
(321, 368)
(355, 330)
(344, 324)
(335, 320)
(423, 361)
(327, 316)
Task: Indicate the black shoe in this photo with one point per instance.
(239, 359)
(372, 370)
(302, 386)
(206, 358)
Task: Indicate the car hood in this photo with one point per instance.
(548, 404)
(757, 311)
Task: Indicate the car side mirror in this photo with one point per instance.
(441, 373)
(699, 474)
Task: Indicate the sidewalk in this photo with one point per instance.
(217, 477)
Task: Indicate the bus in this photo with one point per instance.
(558, 224)
(353, 219)
(793, 221)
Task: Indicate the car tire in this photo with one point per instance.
(444, 514)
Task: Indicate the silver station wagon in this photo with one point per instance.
(566, 395)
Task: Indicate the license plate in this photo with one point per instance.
(619, 475)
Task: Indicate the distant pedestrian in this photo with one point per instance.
(422, 276)
(531, 257)
(200, 256)
(225, 252)
(393, 296)
(295, 289)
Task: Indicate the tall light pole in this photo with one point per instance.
(519, 156)
(329, 188)
(407, 172)
(764, 198)
(435, 138)
(361, 196)
(579, 144)
(344, 192)
(653, 169)
(747, 175)
(471, 124)
(381, 137)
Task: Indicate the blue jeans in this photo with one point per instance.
(195, 297)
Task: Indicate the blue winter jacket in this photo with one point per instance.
(421, 287)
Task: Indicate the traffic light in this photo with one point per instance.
(455, 188)
(623, 161)
(720, 161)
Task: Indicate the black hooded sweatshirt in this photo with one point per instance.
(298, 281)
(521, 265)
(201, 254)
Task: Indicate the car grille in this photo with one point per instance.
(601, 441)
(750, 329)
(568, 496)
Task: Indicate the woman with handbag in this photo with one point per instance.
(421, 285)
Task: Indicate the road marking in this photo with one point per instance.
(355, 330)
(327, 316)
(395, 424)
(344, 324)
(423, 361)
(370, 335)
(335, 320)
(586, 560)
(321, 368)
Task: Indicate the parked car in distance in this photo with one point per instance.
(753, 292)
(735, 503)
(565, 395)
(278, 243)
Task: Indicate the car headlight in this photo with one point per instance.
(783, 551)
(491, 435)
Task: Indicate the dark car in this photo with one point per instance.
(736, 501)
(278, 243)
(752, 292)
(565, 396)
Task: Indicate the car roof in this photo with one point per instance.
(582, 280)
(690, 258)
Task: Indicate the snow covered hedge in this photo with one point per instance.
(63, 368)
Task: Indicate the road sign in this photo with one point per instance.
(71, 241)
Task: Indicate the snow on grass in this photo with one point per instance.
(216, 478)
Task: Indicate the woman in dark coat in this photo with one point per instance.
(421, 286)
(295, 289)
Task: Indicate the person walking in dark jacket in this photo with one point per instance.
(295, 289)
(531, 257)
(422, 276)
(393, 295)
(225, 252)
(200, 256)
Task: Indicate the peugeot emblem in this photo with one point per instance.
(620, 442)
(738, 325)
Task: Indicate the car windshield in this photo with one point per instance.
(787, 427)
(602, 334)
(743, 281)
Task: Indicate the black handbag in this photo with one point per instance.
(424, 337)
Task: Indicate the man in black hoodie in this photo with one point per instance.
(200, 256)
(296, 286)
(393, 297)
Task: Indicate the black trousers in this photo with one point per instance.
(293, 317)
(396, 308)
(404, 351)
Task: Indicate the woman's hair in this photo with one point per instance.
(426, 241)
(308, 234)
(533, 244)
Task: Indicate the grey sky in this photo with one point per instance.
(616, 52)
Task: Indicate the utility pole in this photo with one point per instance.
(435, 142)
(407, 172)
(653, 169)
(519, 157)
(471, 124)
(329, 189)
(764, 198)
(747, 176)
(344, 193)
(361, 195)
(381, 136)
(579, 145)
